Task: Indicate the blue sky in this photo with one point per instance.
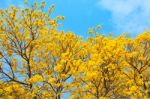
(117, 16)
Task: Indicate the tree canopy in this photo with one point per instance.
(39, 62)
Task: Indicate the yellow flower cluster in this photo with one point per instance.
(36, 78)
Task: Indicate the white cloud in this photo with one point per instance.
(128, 15)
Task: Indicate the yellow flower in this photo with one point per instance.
(52, 23)
(104, 98)
(91, 75)
(9, 52)
(51, 80)
(8, 89)
(36, 78)
(58, 68)
(133, 89)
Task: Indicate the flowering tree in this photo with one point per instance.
(38, 61)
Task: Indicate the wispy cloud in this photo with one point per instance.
(128, 15)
